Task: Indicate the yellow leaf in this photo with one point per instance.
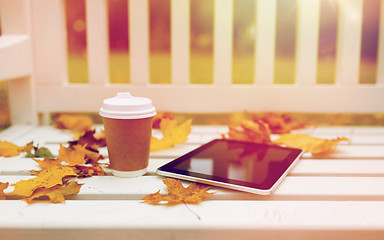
(316, 146)
(80, 123)
(46, 178)
(3, 186)
(48, 163)
(8, 149)
(172, 134)
(177, 193)
(73, 155)
(55, 194)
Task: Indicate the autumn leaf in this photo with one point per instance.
(46, 178)
(55, 194)
(73, 155)
(316, 146)
(3, 186)
(250, 131)
(39, 152)
(280, 124)
(177, 194)
(8, 149)
(79, 123)
(172, 134)
(88, 171)
(159, 117)
(89, 139)
(48, 163)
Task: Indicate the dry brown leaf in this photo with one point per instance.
(177, 194)
(79, 123)
(89, 139)
(73, 155)
(46, 178)
(88, 171)
(55, 194)
(316, 146)
(3, 186)
(250, 131)
(280, 124)
(172, 134)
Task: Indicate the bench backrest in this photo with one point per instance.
(33, 59)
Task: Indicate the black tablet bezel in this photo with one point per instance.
(169, 170)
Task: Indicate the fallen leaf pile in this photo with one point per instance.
(178, 194)
(259, 131)
(57, 177)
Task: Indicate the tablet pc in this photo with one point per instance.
(244, 166)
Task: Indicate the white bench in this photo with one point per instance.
(341, 196)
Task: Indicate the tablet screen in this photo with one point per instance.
(234, 164)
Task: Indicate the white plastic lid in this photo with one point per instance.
(126, 106)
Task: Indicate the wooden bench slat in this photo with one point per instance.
(222, 219)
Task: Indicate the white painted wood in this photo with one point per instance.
(180, 34)
(218, 219)
(380, 55)
(138, 41)
(331, 198)
(307, 41)
(97, 41)
(223, 42)
(265, 41)
(50, 42)
(349, 42)
(15, 17)
(15, 56)
(216, 99)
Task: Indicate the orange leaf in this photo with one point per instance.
(55, 194)
(316, 146)
(177, 193)
(250, 131)
(80, 123)
(46, 178)
(3, 186)
(85, 171)
(172, 134)
(159, 117)
(48, 163)
(280, 124)
(8, 149)
(73, 155)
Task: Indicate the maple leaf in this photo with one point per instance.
(8, 149)
(316, 146)
(46, 178)
(177, 194)
(85, 171)
(79, 123)
(48, 163)
(280, 124)
(159, 117)
(172, 134)
(89, 139)
(73, 155)
(55, 194)
(3, 186)
(250, 131)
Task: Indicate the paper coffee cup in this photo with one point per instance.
(128, 129)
